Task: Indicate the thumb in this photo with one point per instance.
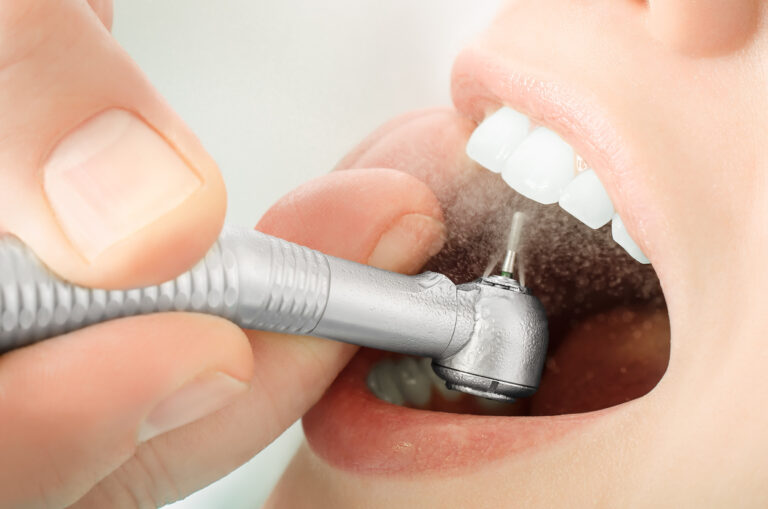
(100, 178)
(109, 188)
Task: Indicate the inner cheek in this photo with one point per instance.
(607, 359)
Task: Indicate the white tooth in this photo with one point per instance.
(585, 199)
(413, 382)
(497, 137)
(372, 381)
(437, 382)
(381, 381)
(541, 166)
(622, 238)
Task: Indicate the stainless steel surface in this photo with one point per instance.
(504, 357)
(415, 315)
(488, 337)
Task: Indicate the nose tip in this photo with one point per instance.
(704, 28)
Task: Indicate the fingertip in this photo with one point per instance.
(408, 244)
(346, 213)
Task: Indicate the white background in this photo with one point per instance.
(278, 92)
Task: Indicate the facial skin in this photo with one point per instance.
(679, 88)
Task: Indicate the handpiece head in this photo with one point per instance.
(507, 347)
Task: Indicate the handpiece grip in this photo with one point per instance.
(258, 282)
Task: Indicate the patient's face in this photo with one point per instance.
(652, 393)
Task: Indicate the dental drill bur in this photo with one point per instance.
(488, 337)
(513, 245)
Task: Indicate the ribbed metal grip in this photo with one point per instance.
(253, 279)
(256, 281)
(284, 286)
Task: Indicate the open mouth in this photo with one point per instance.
(609, 329)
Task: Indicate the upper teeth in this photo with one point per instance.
(496, 139)
(586, 199)
(621, 236)
(541, 167)
(538, 164)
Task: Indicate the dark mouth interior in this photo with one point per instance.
(609, 329)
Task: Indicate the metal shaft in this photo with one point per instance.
(258, 282)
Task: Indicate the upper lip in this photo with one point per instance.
(481, 83)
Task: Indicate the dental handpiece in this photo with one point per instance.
(487, 338)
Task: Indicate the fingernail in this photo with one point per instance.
(409, 243)
(112, 176)
(202, 396)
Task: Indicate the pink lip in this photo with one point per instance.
(481, 83)
(353, 430)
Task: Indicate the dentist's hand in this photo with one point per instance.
(109, 188)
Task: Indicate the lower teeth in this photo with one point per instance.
(408, 381)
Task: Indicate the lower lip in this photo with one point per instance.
(353, 430)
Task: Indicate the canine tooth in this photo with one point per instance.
(585, 199)
(413, 382)
(622, 238)
(437, 382)
(541, 167)
(497, 137)
(381, 381)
